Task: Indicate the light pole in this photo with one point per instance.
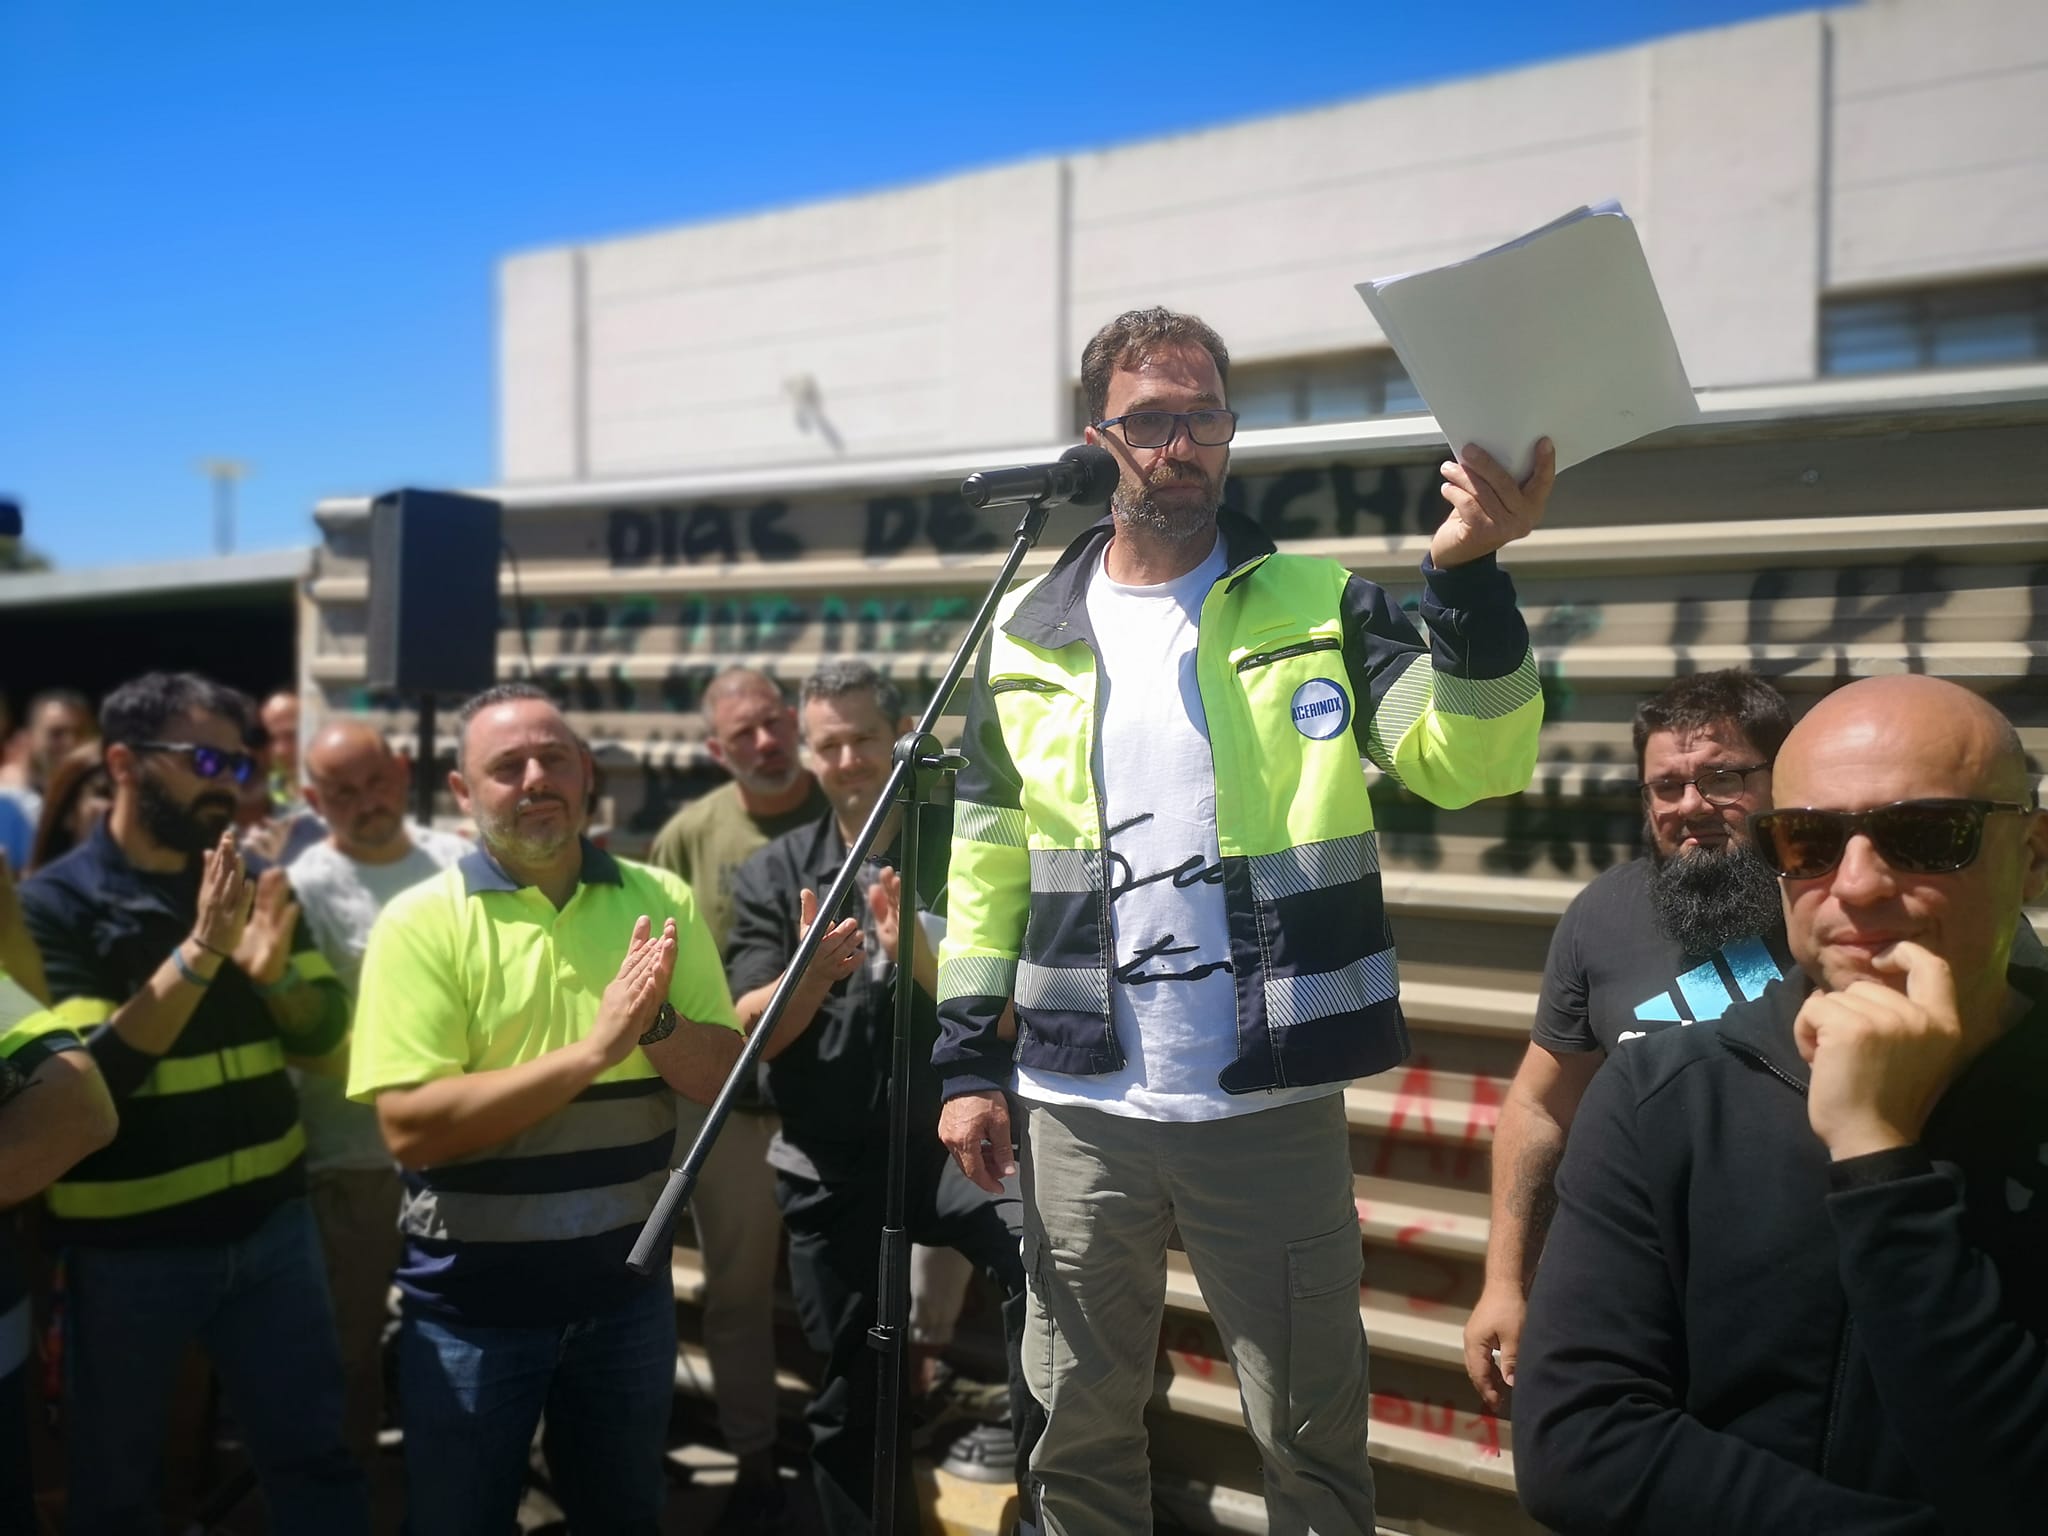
(225, 475)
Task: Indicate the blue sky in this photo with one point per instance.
(270, 231)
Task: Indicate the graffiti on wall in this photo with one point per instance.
(1335, 500)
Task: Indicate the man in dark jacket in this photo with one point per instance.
(1798, 1278)
(828, 1071)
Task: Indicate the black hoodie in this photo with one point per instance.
(1730, 1334)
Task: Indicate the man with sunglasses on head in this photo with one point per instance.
(194, 983)
(1164, 850)
(1673, 938)
(1798, 1277)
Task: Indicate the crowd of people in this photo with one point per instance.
(1769, 1238)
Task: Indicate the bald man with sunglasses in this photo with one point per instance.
(1798, 1277)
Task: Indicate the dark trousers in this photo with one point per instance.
(17, 1486)
(259, 1308)
(472, 1396)
(835, 1247)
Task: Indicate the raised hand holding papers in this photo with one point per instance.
(1558, 334)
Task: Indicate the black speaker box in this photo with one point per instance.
(433, 592)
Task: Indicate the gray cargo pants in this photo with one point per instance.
(1264, 1207)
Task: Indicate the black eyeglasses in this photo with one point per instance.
(1155, 429)
(207, 762)
(1915, 837)
(1717, 786)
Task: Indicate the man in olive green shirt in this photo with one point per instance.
(753, 737)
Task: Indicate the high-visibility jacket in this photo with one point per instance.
(210, 1142)
(1304, 670)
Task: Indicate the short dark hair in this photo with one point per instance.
(847, 674)
(515, 692)
(1133, 337)
(499, 693)
(139, 709)
(1734, 696)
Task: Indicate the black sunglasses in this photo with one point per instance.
(1155, 429)
(1915, 837)
(207, 762)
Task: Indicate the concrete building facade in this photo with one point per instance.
(1804, 187)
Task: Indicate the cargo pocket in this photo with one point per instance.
(1327, 1391)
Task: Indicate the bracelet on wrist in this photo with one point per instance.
(284, 983)
(211, 949)
(185, 969)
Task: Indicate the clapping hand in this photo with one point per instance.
(634, 995)
(839, 951)
(265, 948)
(225, 900)
(885, 905)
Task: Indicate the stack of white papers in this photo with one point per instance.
(1559, 334)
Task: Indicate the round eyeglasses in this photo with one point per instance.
(1717, 786)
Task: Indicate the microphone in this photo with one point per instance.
(1082, 476)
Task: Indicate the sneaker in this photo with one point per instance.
(953, 1397)
(987, 1453)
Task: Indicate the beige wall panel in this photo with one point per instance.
(540, 368)
(1731, 214)
(1940, 139)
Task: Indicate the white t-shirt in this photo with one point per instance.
(339, 899)
(1173, 992)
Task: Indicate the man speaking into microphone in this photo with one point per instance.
(1163, 850)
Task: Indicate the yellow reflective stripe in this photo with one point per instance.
(23, 1033)
(101, 1200)
(17, 1004)
(196, 1074)
(311, 965)
(84, 1012)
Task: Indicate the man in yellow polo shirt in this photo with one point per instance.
(523, 1023)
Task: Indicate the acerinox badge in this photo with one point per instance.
(1321, 709)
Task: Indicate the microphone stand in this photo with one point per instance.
(918, 760)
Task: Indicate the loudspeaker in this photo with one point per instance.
(433, 592)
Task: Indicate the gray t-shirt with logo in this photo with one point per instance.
(339, 900)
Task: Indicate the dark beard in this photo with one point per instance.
(1176, 525)
(188, 829)
(1705, 900)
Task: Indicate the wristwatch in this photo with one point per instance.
(663, 1026)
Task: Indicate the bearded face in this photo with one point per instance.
(190, 824)
(1708, 897)
(1176, 503)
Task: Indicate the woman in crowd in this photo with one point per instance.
(78, 795)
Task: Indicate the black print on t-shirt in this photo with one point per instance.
(1189, 872)
(1132, 972)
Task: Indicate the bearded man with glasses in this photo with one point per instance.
(1164, 853)
(193, 983)
(1675, 937)
(1798, 1277)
